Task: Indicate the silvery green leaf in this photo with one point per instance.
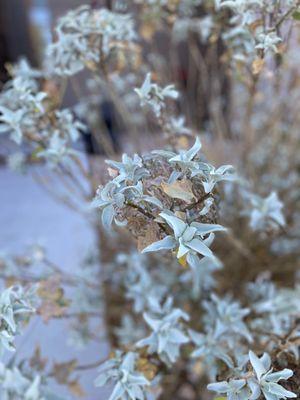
(209, 240)
(23, 69)
(188, 155)
(130, 331)
(164, 153)
(122, 224)
(234, 389)
(6, 341)
(145, 88)
(173, 177)
(11, 121)
(130, 169)
(17, 161)
(118, 392)
(208, 186)
(242, 9)
(107, 216)
(258, 365)
(182, 250)
(129, 384)
(268, 42)
(15, 385)
(119, 199)
(266, 361)
(187, 237)
(178, 337)
(136, 393)
(67, 124)
(14, 304)
(33, 392)
(210, 349)
(267, 380)
(207, 205)
(101, 380)
(198, 246)
(225, 317)
(153, 95)
(214, 175)
(266, 212)
(277, 376)
(170, 91)
(224, 168)
(199, 168)
(278, 391)
(167, 243)
(58, 151)
(107, 198)
(220, 387)
(188, 234)
(140, 285)
(84, 35)
(136, 190)
(136, 193)
(153, 200)
(255, 388)
(175, 223)
(154, 323)
(204, 229)
(98, 202)
(201, 272)
(177, 125)
(129, 361)
(193, 151)
(167, 334)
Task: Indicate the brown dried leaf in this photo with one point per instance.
(180, 214)
(148, 30)
(91, 65)
(256, 24)
(54, 304)
(179, 190)
(148, 369)
(281, 48)
(36, 361)
(121, 61)
(11, 281)
(50, 289)
(50, 310)
(151, 235)
(182, 142)
(62, 371)
(257, 66)
(112, 172)
(76, 389)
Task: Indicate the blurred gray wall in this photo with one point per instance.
(14, 33)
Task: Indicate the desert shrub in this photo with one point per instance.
(197, 228)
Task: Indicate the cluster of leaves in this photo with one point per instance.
(87, 37)
(30, 116)
(167, 190)
(173, 212)
(15, 304)
(17, 386)
(261, 381)
(178, 320)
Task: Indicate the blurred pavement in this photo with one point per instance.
(28, 215)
